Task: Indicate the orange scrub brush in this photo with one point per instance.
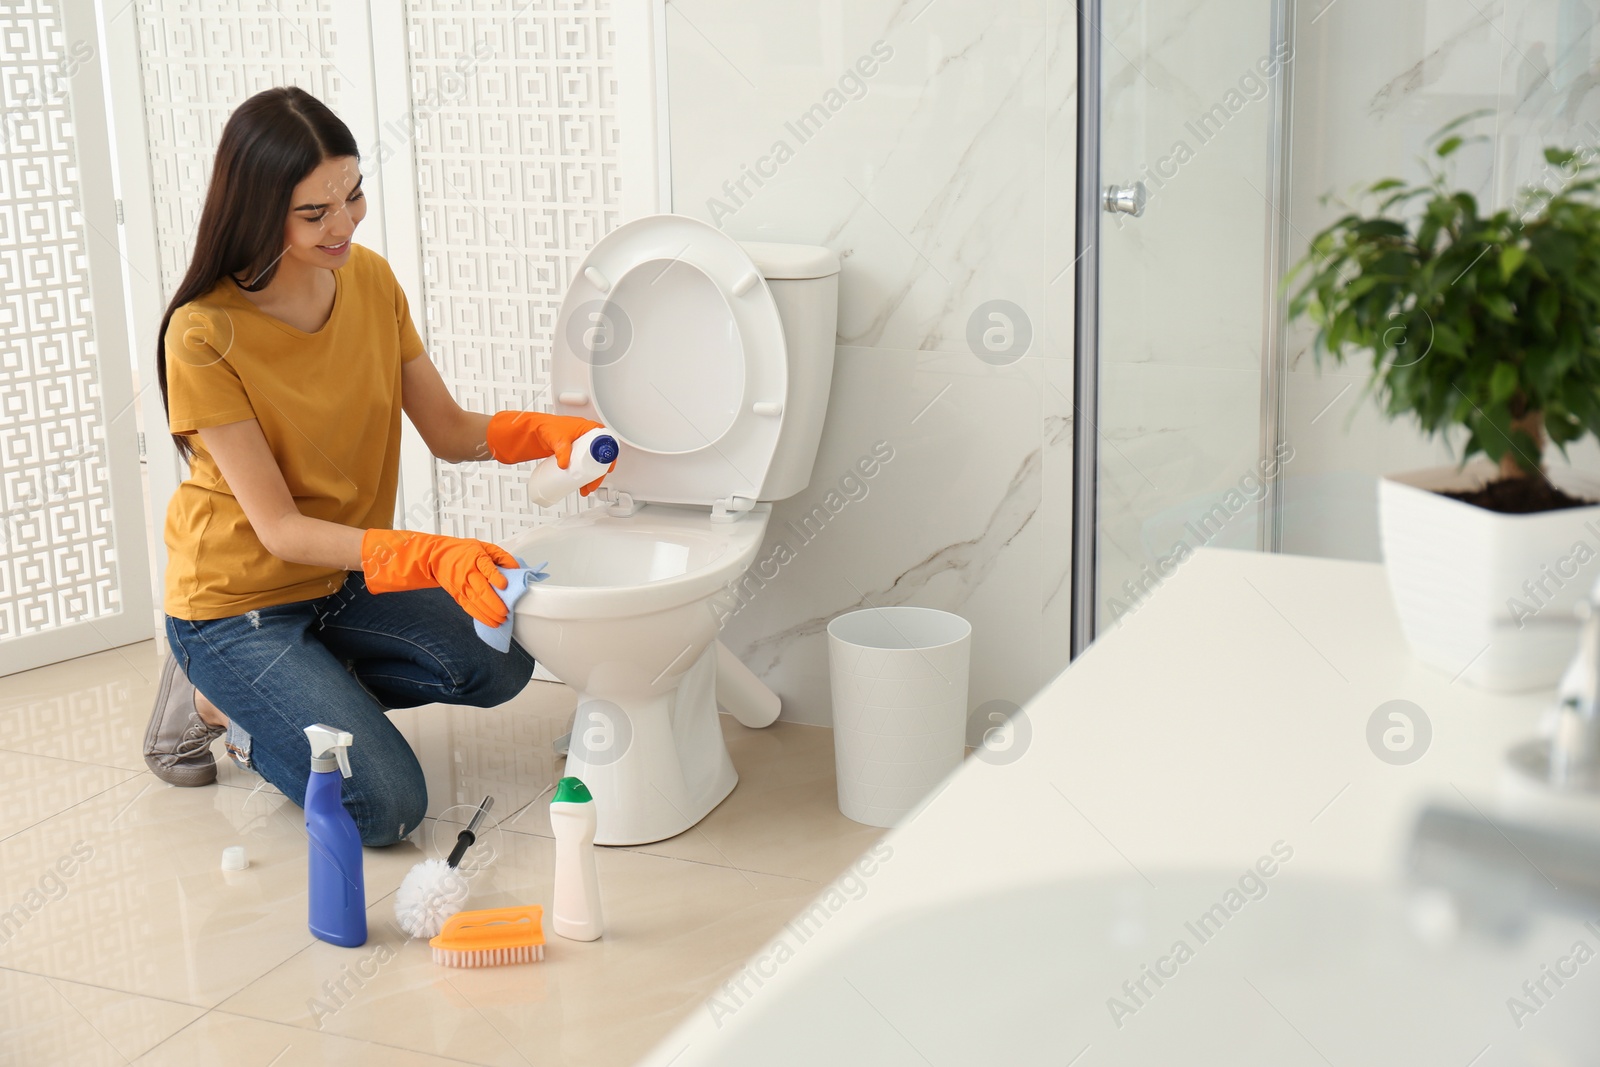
(490, 937)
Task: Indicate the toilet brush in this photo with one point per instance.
(435, 890)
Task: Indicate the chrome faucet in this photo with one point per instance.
(1498, 871)
(1568, 760)
(1574, 752)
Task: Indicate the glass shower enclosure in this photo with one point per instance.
(1214, 140)
(1182, 233)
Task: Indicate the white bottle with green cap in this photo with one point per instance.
(575, 905)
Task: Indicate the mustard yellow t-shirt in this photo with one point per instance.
(329, 406)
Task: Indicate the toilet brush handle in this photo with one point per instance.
(466, 838)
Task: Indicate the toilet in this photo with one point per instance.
(710, 362)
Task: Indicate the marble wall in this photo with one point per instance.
(1375, 80)
(940, 168)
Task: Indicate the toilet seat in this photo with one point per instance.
(669, 336)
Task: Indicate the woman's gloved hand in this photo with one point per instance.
(396, 560)
(518, 436)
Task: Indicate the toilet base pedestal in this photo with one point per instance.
(655, 765)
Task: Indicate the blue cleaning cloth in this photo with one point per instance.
(517, 581)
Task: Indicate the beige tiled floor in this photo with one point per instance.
(122, 941)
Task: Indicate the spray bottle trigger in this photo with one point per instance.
(328, 743)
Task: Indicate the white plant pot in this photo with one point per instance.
(1486, 596)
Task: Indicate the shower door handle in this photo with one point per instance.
(1125, 199)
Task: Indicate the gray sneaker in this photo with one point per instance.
(177, 744)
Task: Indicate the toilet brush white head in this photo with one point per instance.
(430, 894)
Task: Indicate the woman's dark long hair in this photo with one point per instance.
(269, 145)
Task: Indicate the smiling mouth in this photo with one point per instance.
(336, 250)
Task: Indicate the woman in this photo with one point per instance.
(288, 355)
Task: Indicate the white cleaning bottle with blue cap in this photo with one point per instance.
(336, 885)
(575, 904)
(592, 456)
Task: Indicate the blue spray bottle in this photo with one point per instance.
(338, 891)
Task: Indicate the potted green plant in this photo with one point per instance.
(1484, 327)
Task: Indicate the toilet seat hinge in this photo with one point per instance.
(621, 503)
(730, 507)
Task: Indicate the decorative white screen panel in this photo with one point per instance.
(201, 59)
(513, 105)
(58, 562)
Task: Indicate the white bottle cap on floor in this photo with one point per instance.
(233, 858)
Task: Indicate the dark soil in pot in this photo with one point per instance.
(1520, 496)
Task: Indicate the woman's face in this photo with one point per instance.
(324, 212)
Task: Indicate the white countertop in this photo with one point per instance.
(1228, 714)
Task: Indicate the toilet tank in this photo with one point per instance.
(804, 280)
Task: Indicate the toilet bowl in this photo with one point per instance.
(710, 362)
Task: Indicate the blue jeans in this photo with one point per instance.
(343, 659)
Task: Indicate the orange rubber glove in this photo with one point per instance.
(396, 560)
(518, 436)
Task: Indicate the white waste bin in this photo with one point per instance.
(899, 679)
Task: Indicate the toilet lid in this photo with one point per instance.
(669, 336)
